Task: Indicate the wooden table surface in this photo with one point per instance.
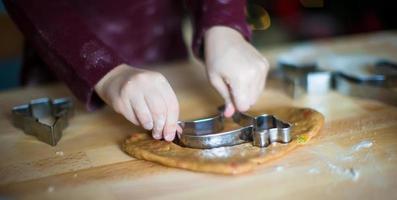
(354, 156)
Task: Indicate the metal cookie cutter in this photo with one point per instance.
(297, 69)
(299, 80)
(359, 75)
(266, 129)
(363, 76)
(261, 131)
(43, 118)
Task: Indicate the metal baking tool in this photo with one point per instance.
(298, 72)
(358, 75)
(267, 129)
(203, 126)
(362, 69)
(212, 137)
(363, 76)
(299, 80)
(302, 55)
(261, 131)
(352, 88)
(43, 118)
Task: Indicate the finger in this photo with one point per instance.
(127, 111)
(229, 110)
(261, 81)
(223, 89)
(130, 115)
(142, 111)
(158, 111)
(179, 129)
(116, 101)
(172, 112)
(241, 94)
(257, 90)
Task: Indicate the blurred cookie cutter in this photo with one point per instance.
(362, 69)
(261, 130)
(364, 76)
(305, 79)
(354, 75)
(43, 118)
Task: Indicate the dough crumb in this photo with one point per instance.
(302, 139)
(59, 153)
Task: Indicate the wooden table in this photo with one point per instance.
(354, 156)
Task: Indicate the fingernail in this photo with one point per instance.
(179, 129)
(169, 137)
(169, 133)
(148, 125)
(156, 135)
(229, 110)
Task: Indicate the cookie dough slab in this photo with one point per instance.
(306, 123)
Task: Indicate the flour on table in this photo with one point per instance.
(351, 173)
(50, 189)
(279, 168)
(313, 171)
(365, 144)
(362, 145)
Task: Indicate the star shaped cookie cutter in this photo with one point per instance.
(207, 133)
(43, 118)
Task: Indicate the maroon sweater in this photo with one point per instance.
(82, 40)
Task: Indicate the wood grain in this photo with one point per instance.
(354, 156)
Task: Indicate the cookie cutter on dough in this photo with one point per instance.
(261, 130)
(43, 118)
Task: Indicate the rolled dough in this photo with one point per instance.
(306, 123)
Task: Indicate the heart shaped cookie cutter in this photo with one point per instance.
(207, 133)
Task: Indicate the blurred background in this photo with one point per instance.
(275, 22)
(11, 43)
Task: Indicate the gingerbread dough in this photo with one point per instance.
(306, 123)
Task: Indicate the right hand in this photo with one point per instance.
(143, 97)
(235, 68)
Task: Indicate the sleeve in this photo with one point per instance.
(209, 13)
(66, 44)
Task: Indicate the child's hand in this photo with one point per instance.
(144, 97)
(235, 68)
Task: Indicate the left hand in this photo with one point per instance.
(235, 68)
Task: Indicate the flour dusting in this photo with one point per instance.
(351, 173)
(50, 189)
(314, 171)
(347, 158)
(362, 145)
(220, 152)
(279, 168)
